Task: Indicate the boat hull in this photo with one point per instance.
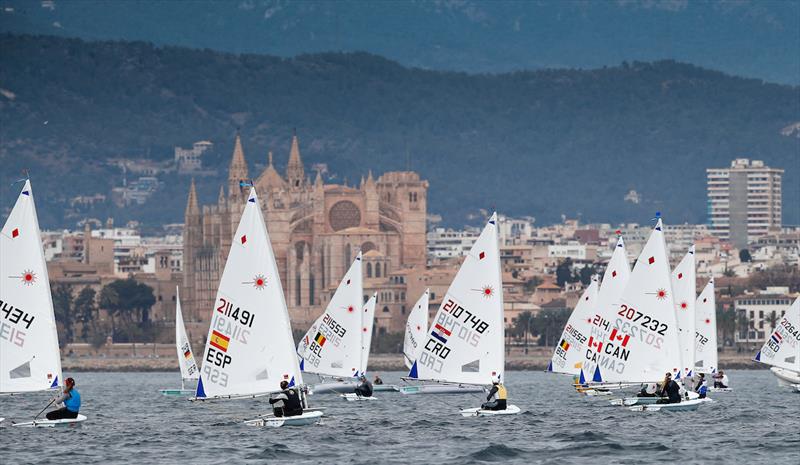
(685, 406)
(352, 397)
(713, 389)
(333, 388)
(177, 392)
(385, 388)
(439, 389)
(785, 376)
(308, 417)
(51, 423)
(478, 412)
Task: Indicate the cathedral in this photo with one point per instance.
(317, 229)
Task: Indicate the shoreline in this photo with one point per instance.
(378, 362)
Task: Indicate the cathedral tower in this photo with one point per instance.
(237, 172)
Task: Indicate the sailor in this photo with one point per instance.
(286, 403)
(701, 387)
(71, 399)
(648, 390)
(365, 388)
(378, 381)
(497, 398)
(721, 380)
(670, 390)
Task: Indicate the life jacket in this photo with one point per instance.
(73, 403)
(292, 400)
(501, 392)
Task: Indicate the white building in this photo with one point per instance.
(760, 311)
(449, 243)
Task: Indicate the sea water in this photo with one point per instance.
(130, 422)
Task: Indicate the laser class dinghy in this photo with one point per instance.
(189, 370)
(30, 360)
(249, 350)
(332, 347)
(466, 342)
(367, 322)
(782, 349)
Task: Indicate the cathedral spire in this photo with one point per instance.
(192, 207)
(221, 198)
(294, 170)
(237, 171)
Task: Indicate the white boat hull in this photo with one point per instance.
(308, 417)
(631, 401)
(333, 388)
(51, 423)
(479, 412)
(440, 389)
(352, 397)
(796, 388)
(785, 376)
(713, 389)
(596, 392)
(177, 392)
(685, 406)
(385, 388)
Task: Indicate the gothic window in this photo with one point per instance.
(347, 257)
(297, 290)
(384, 269)
(377, 270)
(369, 270)
(344, 214)
(367, 246)
(311, 290)
(385, 309)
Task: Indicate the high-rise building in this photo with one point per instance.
(744, 201)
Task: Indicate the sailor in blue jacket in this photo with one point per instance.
(71, 399)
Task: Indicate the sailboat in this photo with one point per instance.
(416, 331)
(706, 356)
(30, 360)
(569, 353)
(189, 370)
(249, 350)
(782, 349)
(466, 344)
(684, 288)
(332, 347)
(644, 342)
(615, 278)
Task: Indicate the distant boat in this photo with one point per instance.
(684, 289)
(782, 349)
(706, 356)
(332, 347)
(466, 342)
(570, 351)
(188, 367)
(249, 350)
(30, 358)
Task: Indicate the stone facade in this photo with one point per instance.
(316, 229)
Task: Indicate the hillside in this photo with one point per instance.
(542, 143)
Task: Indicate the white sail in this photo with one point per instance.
(615, 278)
(189, 370)
(569, 353)
(643, 343)
(332, 346)
(782, 349)
(249, 349)
(367, 322)
(706, 330)
(416, 329)
(465, 343)
(29, 356)
(684, 288)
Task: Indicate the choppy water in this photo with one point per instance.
(130, 422)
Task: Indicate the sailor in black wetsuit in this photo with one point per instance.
(286, 403)
(670, 390)
(365, 388)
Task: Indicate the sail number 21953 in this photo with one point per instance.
(638, 317)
